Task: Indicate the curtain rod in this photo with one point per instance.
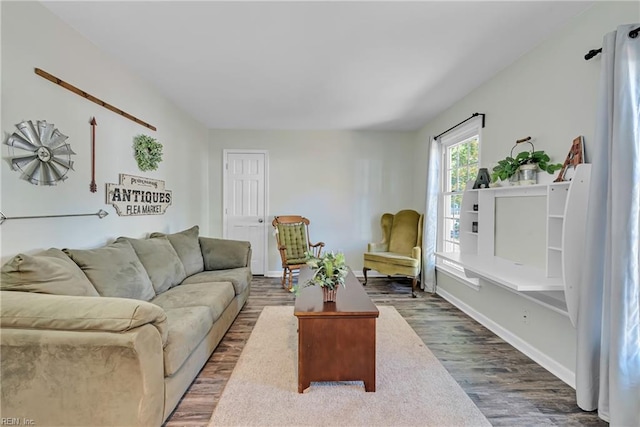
(593, 52)
(464, 121)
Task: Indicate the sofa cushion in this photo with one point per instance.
(187, 327)
(48, 272)
(216, 296)
(160, 260)
(397, 259)
(239, 277)
(114, 270)
(22, 310)
(187, 246)
(221, 254)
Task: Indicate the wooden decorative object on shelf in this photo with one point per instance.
(574, 158)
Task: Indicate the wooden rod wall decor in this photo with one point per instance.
(91, 98)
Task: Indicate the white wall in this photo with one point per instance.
(549, 94)
(33, 37)
(342, 181)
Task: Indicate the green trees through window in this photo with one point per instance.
(460, 165)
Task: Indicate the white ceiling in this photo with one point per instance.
(316, 65)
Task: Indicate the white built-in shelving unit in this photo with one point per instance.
(566, 204)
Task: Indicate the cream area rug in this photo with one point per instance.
(412, 387)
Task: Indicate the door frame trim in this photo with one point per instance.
(225, 156)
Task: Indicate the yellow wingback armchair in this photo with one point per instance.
(400, 251)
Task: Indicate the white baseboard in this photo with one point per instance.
(273, 274)
(566, 375)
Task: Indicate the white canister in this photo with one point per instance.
(528, 174)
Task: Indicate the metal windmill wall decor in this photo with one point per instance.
(40, 152)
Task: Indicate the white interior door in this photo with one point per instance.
(245, 201)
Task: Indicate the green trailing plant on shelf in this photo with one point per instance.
(539, 158)
(147, 152)
(505, 169)
(329, 271)
(510, 165)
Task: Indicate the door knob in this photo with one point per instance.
(261, 220)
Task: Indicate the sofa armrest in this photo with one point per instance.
(223, 254)
(83, 378)
(69, 360)
(378, 247)
(27, 310)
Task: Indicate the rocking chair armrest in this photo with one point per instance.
(316, 248)
(282, 250)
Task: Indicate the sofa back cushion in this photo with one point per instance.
(48, 272)
(188, 248)
(160, 260)
(222, 254)
(114, 270)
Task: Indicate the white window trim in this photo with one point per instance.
(459, 134)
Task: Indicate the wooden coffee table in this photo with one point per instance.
(336, 340)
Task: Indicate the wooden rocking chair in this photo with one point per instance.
(292, 236)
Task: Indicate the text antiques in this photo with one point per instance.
(136, 195)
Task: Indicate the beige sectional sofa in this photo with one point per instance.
(115, 335)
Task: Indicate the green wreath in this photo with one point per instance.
(148, 152)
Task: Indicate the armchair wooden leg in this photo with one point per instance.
(364, 272)
(284, 277)
(290, 279)
(413, 287)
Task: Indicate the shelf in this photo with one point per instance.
(521, 278)
(556, 264)
(557, 199)
(563, 184)
(514, 188)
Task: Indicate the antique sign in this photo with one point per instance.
(135, 195)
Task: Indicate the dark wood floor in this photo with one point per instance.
(509, 388)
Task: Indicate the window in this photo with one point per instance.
(460, 162)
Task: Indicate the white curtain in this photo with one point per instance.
(608, 324)
(430, 230)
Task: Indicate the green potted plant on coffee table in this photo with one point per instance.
(328, 272)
